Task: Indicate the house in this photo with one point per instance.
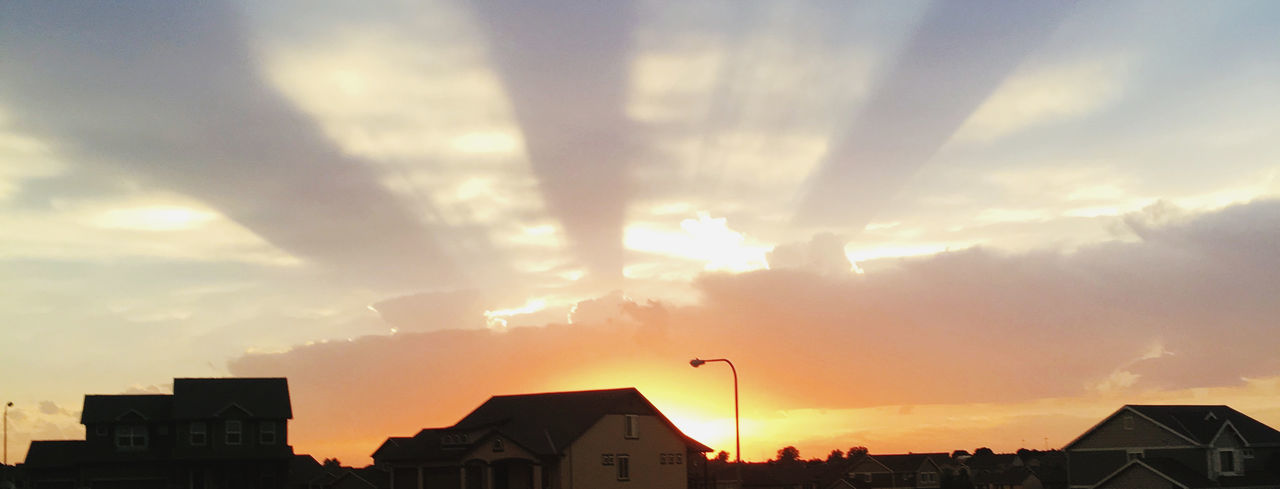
(559, 440)
(1178, 446)
(903, 471)
(208, 434)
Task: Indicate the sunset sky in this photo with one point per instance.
(913, 226)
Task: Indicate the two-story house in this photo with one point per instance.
(209, 434)
(560, 440)
(1187, 447)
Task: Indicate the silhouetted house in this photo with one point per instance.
(906, 471)
(1187, 447)
(1013, 477)
(210, 433)
(585, 439)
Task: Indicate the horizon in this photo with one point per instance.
(913, 226)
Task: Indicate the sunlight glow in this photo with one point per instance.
(497, 319)
(155, 218)
(705, 239)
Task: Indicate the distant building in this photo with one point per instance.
(209, 434)
(901, 471)
(562, 440)
(1175, 447)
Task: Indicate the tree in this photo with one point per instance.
(983, 452)
(855, 451)
(331, 463)
(722, 457)
(788, 454)
(959, 453)
(835, 456)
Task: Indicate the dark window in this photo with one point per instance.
(267, 433)
(233, 432)
(498, 446)
(131, 437)
(199, 433)
(1227, 461)
(631, 429)
(1135, 455)
(606, 459)
(1128, 421)
(624, 467)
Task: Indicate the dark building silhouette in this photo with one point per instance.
(209, 434)
(1175, 447)
(587, 439)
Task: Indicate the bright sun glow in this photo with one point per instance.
(155, 218)
(706, 239)
(497, 319)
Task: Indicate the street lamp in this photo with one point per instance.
(737, 432)
(6, 431)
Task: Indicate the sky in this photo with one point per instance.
(912, 226)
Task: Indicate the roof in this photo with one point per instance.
(1012, 476)
(1172, 470)
(106, 409)
(54, 453)
(1195, 422)
(207, 398)
(909, 462)
(546, 423)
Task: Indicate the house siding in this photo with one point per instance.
(1138, 477)
(1195, 458)
(606, 436)
(1111, 434)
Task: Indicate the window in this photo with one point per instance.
(199, 433)
(928, 477)
(1134, 454)
(631, 428)
(1248, 453)
(606, 459)
(131, 437)
(267, 433)
(233, 432)
(624, 467)
(1227, 462)
(1128, 422)
(679, 459)
(663, 458)
(498, 446)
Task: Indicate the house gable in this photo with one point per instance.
(1138, 474)
(869, 464)
(1228, 437)
(1128, 428)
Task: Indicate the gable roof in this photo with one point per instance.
(547, 423)
(908, 462)
(111, 408)
(206, 398)
(1194, 423)
(54, 453)
(1171, 470)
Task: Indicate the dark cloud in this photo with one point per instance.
(960, 327)
(564, 66)
(958, 56)
(172, 95)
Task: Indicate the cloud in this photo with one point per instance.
(823, 254)
(960, 327)
(171, 95)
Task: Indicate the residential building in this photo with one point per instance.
(901, 471)
(561, 440)
(1179, 446)
(208, 434)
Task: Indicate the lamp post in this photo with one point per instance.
(6, 431)
(737, 432)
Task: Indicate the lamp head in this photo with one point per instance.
(9, 405)
(695, 363)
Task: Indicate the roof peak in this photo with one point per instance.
(584, 391)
